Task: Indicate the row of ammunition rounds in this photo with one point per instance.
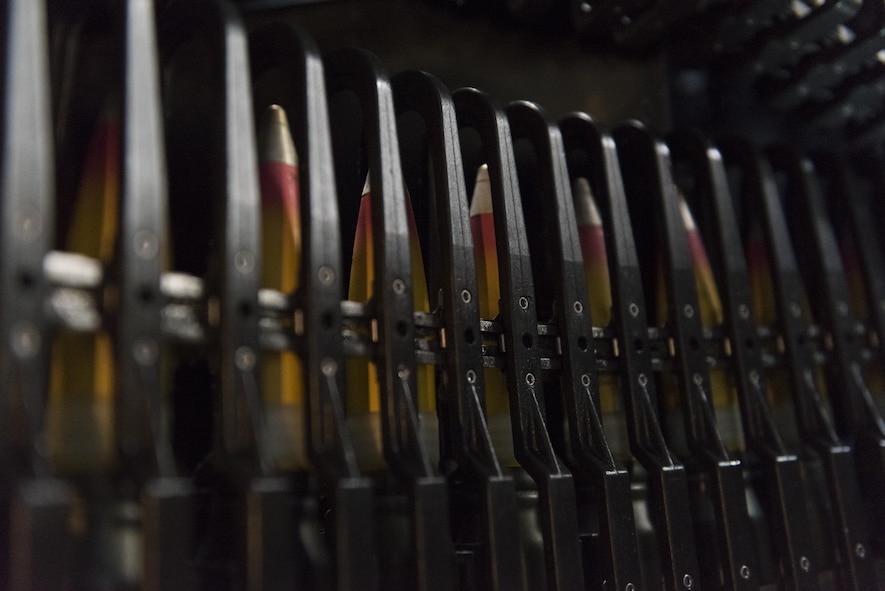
(527, 354)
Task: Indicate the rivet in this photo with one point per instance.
(688, 311)
(861, 551)
(745, 572)
(326, 275)
(471, 376)
(25, 340)
(524, 303)
(697, 379)
(579, 307)
(842, 308)
(146, 244)
(630, 587)
(585, 8)
(687, 581)
(795, 309)
(329, 367)
(29, 225)
(585, 379)
(244, 262)
(465, 296)
(634, 310)
(145, 351)
(642, 379)
(399, 286)
(404, 373)
(754, 377)
(244, 358)
(744, 311)
(804, 563)
(530, 379)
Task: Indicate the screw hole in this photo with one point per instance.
(582, 343)
(402, 328)
(327, 319)
(146, 294)
(469, 336)
(638, 345)
(694, 344)
(26, 280)
(527, 340)
(245, 309)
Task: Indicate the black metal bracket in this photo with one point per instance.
(858, 418)
(230, 166)
(142, 418)
(286, 49)
(577, 376)
(36, 508)
(818, 256)
(361, 73)
(654, 207)
(592, 154)
(464, 388)
(531, 440)
(234, 268)
(760, 194)
(712, 201)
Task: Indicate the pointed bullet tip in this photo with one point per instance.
(275, 139)
(687, 217)
(586, 212)
(367, 186)
(482, 192)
